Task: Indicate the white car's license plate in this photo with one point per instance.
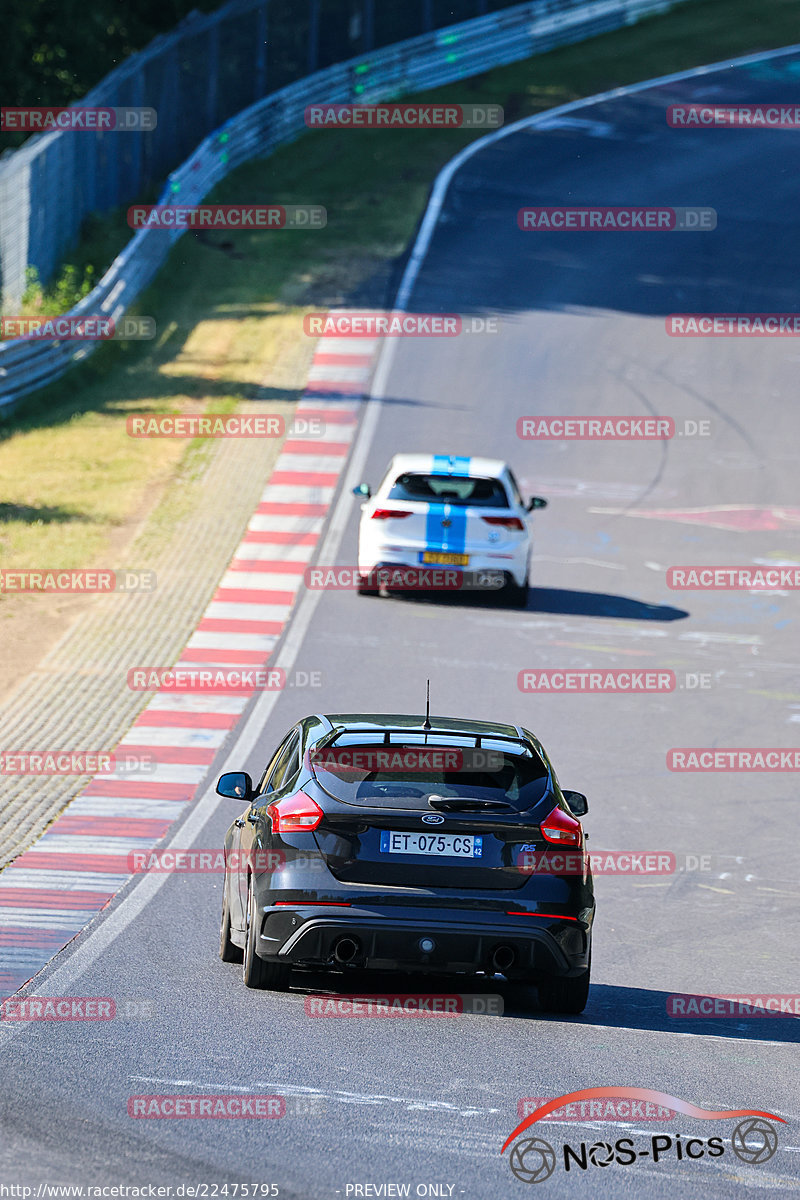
(442, 558)
(453, 845)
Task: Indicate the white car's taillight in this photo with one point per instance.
(506, 522)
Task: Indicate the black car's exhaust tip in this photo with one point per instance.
(346, 949)
(503, 957)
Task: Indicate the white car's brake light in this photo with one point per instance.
(506, 522)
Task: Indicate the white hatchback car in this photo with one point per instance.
(435, 510)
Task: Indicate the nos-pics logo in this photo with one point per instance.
(533, 1160)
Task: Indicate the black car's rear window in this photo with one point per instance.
(452, 489)
(404, 776)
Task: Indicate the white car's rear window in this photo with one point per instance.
(450, 489)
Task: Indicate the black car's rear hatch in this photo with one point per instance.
(429, 812)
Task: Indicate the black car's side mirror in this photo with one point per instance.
(236, 785)
(536, 502)
(363, 490)
(577, 802)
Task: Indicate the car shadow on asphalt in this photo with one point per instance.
(553, 600)
(600, 604)
(609, 1005)
(646, 1009)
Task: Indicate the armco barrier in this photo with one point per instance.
(421, 63)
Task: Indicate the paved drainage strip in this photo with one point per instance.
(50, 892)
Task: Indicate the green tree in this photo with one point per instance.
(54, 51)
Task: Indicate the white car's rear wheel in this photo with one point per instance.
(515, 595)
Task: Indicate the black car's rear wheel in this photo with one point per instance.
(257, 973)
(367, 585)
(228, 952)
(564, 995)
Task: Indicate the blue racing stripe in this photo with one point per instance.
(451, 465)
(433, 527)
(452, 538)
(455, 538)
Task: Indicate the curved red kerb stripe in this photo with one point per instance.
(632, 1093)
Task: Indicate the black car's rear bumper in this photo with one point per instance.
(393, 939)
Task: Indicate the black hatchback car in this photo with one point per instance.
(410, 844)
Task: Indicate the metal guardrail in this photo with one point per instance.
(421, 63)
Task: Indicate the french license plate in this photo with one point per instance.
(452, 845)
(443, 559)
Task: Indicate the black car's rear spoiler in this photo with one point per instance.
(402, 733)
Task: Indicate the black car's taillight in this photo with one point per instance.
(296, 814)
(562, 829)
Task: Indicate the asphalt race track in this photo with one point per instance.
(581, 332)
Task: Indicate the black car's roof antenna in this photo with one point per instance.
(427, 724)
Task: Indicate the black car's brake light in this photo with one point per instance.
(296, 814)
(562, 829)
(516, 912)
